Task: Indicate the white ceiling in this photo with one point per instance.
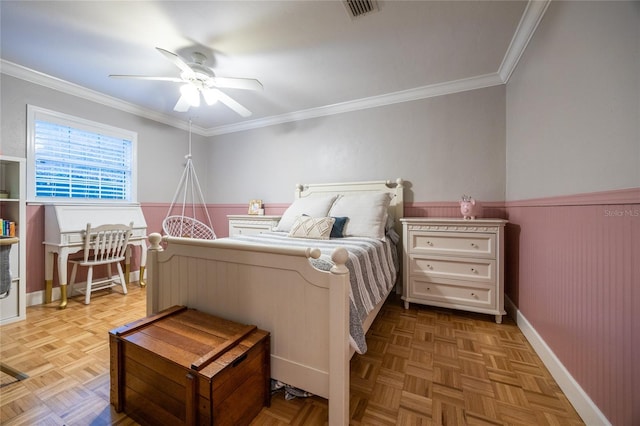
(311, 56)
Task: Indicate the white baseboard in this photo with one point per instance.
(585, 407)
(37, 297)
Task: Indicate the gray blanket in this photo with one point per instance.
(5, 272)
(372, 266)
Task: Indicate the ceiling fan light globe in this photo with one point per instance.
(210, 96)
(191, 93)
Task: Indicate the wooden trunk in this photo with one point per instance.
(185, 367)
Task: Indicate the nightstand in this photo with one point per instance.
(454, 263)
(247, 224)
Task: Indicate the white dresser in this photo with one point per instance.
(454, 263)
(247, 224)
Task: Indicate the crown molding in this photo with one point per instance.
(423, 92)
(42, 79)
(531, 17)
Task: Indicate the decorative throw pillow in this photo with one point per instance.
(367, 214)
(318, 228)
(338, 227)
(310, 206)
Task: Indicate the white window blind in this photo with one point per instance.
(76, 160)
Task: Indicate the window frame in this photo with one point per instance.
(35, 113)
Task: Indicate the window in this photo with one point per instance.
(76, 160)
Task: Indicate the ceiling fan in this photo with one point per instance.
(197, 78)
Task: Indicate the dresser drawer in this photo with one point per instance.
(244, 229)
(453, 243)
(251, 224)
(482, 270)
(451, 295)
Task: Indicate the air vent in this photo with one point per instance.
(357, 8)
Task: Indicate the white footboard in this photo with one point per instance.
(305, 310)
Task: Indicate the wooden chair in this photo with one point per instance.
(103, 245)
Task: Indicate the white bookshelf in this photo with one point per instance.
(12, 179)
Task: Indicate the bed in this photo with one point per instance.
(300, 292)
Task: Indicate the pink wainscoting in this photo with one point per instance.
(35, 252)
(154, 214)
(451, 209)
(573, 270)
(35, 249)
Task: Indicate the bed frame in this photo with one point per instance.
(305, 309)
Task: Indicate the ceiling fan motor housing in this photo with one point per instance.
(202, 76)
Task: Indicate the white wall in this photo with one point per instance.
(161, 148)
(573, 103)
(444, 146)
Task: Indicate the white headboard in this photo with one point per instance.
(394, 188)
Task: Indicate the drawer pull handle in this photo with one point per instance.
(474, 245)
(474, 270)
(429, 243)
(473, 295)
(429, 267)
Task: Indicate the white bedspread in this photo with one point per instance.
(372, 268)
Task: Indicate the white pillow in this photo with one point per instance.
(367, 214)
(312, 227)
(310, 206)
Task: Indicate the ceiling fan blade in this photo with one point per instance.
(231, 103)
(177, 60)
(147, 77)
(182, 105)
(238, 83)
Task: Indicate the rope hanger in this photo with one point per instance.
(188, 188)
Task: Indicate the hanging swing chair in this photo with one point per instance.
(188, 189)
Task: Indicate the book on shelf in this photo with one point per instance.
(7, 228)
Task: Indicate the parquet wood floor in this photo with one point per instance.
(424, 366)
